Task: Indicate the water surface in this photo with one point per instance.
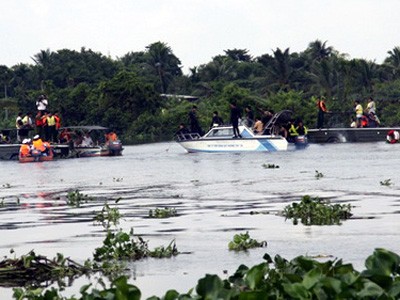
(213, 195)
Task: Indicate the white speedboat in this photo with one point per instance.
(220, 139)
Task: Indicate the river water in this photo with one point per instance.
(213, 195)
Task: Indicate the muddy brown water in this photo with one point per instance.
(213, 195)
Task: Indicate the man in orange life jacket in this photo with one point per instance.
(38, 144)
(25, 149)
(322, 110)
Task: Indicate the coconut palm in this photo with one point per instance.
(163, 63)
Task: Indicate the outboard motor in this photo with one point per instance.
(115, 147)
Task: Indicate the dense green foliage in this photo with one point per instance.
(128, 93)
(300, 278)
(316, 211)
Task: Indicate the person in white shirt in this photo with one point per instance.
(87, 140)
(42, 103)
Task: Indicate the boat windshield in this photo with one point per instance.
(220, 132)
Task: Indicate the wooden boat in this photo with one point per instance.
(37, 156)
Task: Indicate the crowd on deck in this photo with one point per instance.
(290, 129)
(258, 124)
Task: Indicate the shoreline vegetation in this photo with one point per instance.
(138, 94)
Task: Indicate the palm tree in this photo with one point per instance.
(318, 50)
(281, 68)
(164, 63)
(43, 60)
(393, 62)
(240, 55)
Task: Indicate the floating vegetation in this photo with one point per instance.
(108, 215)
(318, 175)
(161, 213)
(31, 269)
(270, 166)
(76, 198)
(386, 182)
(315, 211)
(277, 278)
(243, 242)
(123, 245)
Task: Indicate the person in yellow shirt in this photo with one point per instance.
(359, 112)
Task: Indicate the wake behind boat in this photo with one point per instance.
(219, 139)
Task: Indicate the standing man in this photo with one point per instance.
(41, 103)
(194, 123)
(235, 116)
(322, 110)
(359, 112)
(249, 116)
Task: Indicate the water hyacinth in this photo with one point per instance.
(316, 211)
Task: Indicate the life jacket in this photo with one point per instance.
(51, 121)
(321, 105)
(364, 121)
(44, 120)
(38, 121)
(39, 145)
(25, 150)
(292, 131)
(58, 122)
(112, 137)
(302, 131)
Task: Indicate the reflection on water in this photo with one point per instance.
(215, 196)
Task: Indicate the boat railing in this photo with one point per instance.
(187, 136)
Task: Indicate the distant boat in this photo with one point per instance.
(220, 139)
(99, 148)
(349, 135)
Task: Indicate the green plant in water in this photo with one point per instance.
(75, 198)
(386, 182)
(318, 175)
(277, 278)
(315, 211)
(108, 215)
(270, 166)
(162, 213)
(243, 242)
(123, 245)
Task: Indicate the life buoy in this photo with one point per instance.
(393, 136)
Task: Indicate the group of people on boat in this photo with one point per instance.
(45, 123)
(258, 124)
(363, 117)
(35, 146)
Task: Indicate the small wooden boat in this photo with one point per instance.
(37, 156)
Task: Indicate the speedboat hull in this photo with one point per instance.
(219, 139)
(236, 145)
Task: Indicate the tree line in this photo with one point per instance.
(126, 93)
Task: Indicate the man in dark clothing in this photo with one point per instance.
(216, 120)
(182, 132)
(235, 116)
(194, 123)
(249, 117)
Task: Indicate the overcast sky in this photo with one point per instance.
(197, 30)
